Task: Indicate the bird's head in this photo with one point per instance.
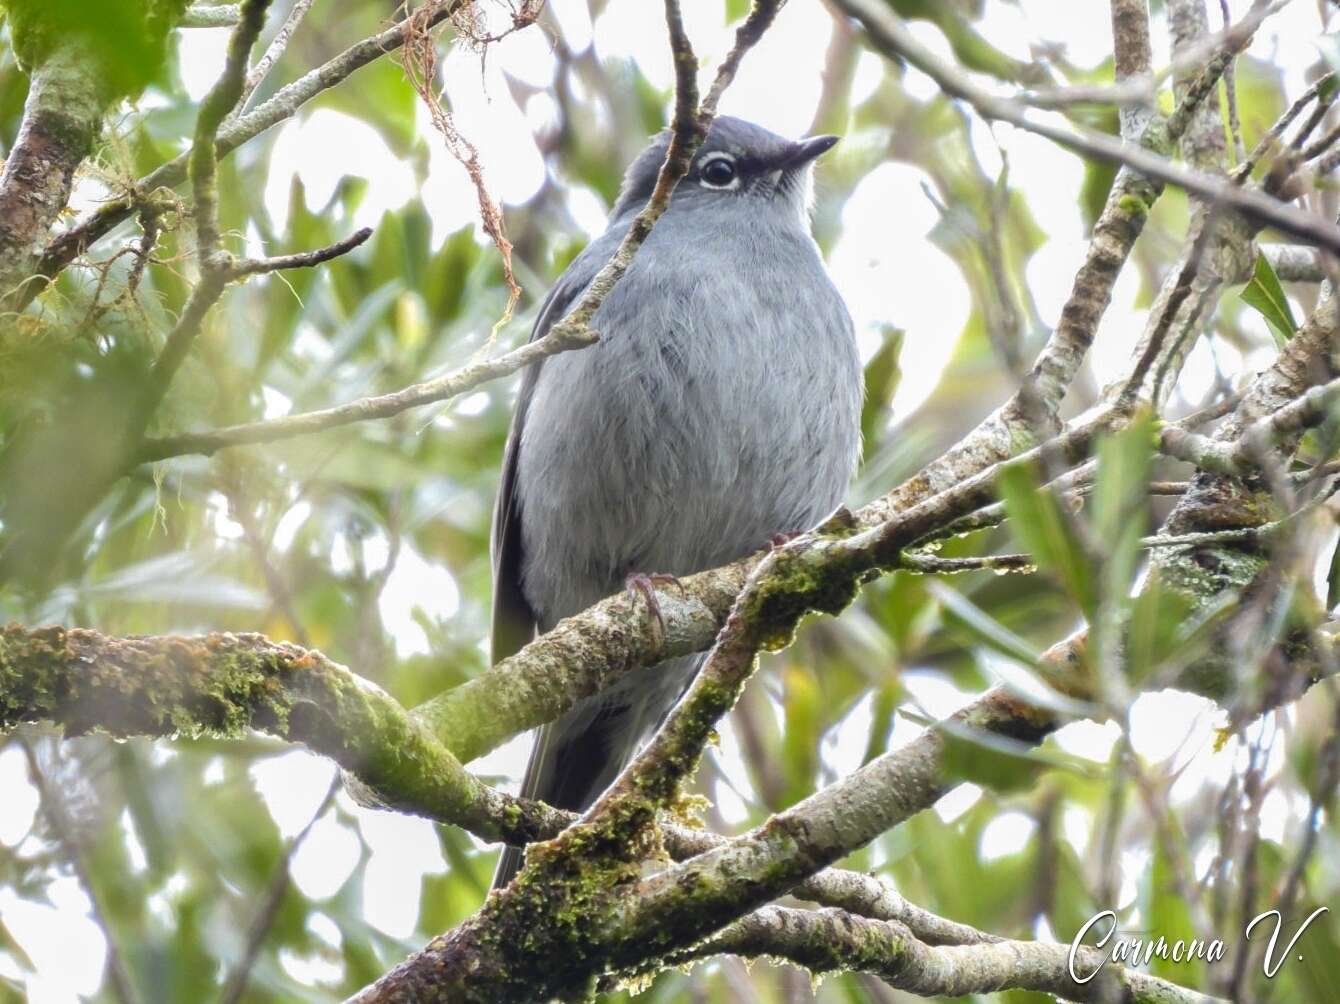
(738, 163)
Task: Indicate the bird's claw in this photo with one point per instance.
(644, 585)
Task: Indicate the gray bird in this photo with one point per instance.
(720, 407)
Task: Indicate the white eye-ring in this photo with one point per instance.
(718, 171)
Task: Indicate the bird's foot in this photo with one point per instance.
(644, 585)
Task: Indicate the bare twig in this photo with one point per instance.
(217, 266)
(1231, 94)
(931, 564)
(215, 263)
(220, 100)
(66, 831)
(380, 406)
(236, 983)
(1139, 89)
(1242, 456)
(282, 105)
(888, 34)
(302, 259)
(1271, 138)
(1155, 345)
(273, 51)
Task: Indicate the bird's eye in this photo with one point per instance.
(719, 172)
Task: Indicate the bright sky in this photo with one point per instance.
(905, 281)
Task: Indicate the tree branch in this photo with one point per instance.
(61, 118)
(257, 74)
(224, 15)
(828, 940)
(379, 406)
(1243, 456)
(888, 34)
(215, 263)
(223, 684)
(282, 105)
(302, 259)
(1132, 61)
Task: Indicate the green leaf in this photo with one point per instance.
(800, 738)
(967, 759)
(1329, 47)
(1333, 581)
(882, 376)
(983, 626)
(1170, 915)
(1154, 629)
(1119, 494)
(1265, 293)
(1326, 93)
(999, 762)
(1119, 516)
(9, 944)
(1046, 532)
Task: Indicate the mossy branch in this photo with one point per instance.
(221, 685)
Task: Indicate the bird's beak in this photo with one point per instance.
(805, 150)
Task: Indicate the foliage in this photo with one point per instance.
(370, 542)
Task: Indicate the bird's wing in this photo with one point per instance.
(514, 621)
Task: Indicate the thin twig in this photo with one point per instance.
(1154, 345)
(380, 406)
(66, 831)
(236, 984)
(273, 51)
(1241, 456)
(1231, 94)
(889, 35)
(281, 106)
(302, 259)
(214, 261)
(1141, 89)
(932, 564)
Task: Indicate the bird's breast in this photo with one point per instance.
(719, 407)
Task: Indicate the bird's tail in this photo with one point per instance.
(578, 756)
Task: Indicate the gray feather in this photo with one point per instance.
(720, 407)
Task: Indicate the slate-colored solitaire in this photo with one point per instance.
(720, 407)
